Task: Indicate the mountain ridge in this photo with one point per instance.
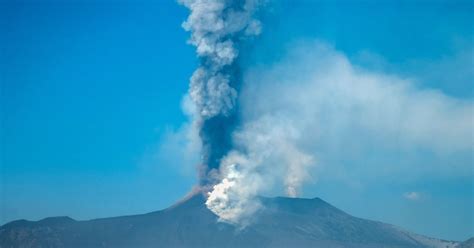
(282, 222)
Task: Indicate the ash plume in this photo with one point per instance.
(217, 28)
(235, 155)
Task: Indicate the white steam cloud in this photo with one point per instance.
(331, 100)
(320, 104)
(266, 153)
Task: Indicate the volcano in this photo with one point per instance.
(282, 222)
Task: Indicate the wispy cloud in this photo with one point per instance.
(359, 123)
(412, 196)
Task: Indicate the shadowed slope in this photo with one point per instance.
(283, 222)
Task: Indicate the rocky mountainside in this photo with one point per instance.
(283, 222)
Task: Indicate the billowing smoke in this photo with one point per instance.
(217, 28)
(264, 155)
(235, 156)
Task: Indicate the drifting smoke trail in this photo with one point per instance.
(217, 27)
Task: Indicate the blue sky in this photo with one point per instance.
(91, 90)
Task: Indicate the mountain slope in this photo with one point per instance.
(284, 222)
(467, 244)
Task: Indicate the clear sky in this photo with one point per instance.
(91, 92)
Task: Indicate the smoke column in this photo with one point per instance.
(239, 160)
(217, 27)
